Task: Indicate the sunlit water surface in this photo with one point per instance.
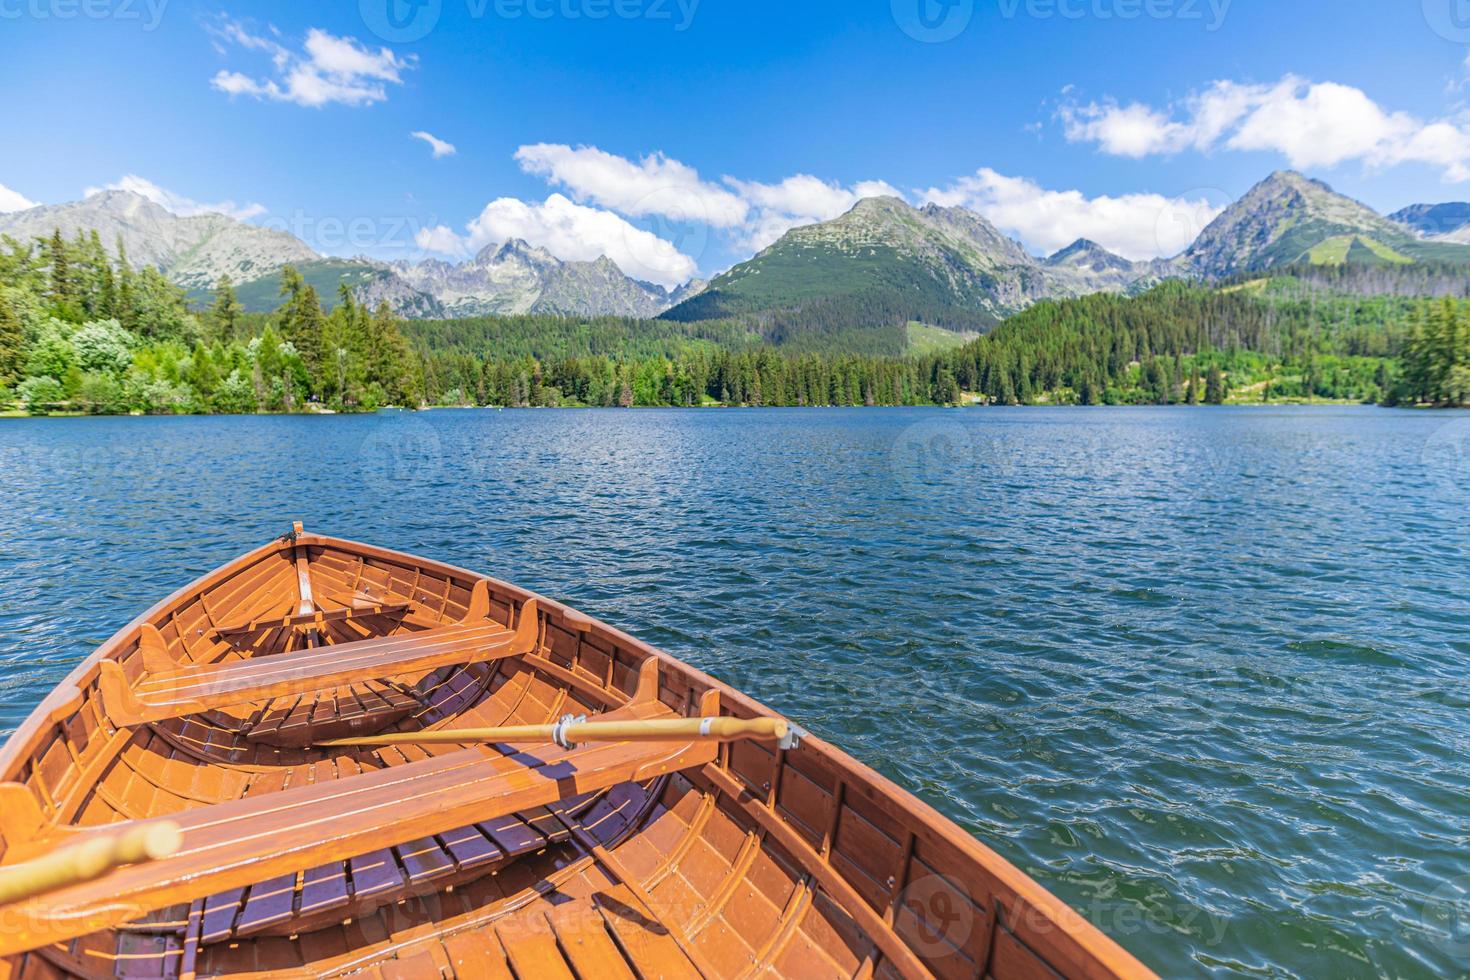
(1201, 672)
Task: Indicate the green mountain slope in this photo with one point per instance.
(325, 275)
(890, 263)
(1288, 219)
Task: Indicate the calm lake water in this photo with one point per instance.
(1204, 673)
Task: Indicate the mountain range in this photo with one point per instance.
(195, 251)
(514, 278)
(949, 260)
(884, 259)
(947, 265)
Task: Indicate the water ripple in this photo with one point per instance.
(1203, 673)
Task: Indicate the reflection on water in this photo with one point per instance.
(1203, 673)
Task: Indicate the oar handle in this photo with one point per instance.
(575, 732)
(90, 859)
(707, 729)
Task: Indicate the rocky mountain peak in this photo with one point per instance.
(193, 251)
(1436, 221)
(1086, 254)
(1282, 220)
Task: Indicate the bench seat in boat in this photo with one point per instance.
(244, 842)
(167, 690)
(316, 619)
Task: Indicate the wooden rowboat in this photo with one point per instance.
(171, 809)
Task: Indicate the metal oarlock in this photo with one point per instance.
(559, 730)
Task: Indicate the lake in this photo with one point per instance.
(1205, 673)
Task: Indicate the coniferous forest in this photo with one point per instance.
(82, 331)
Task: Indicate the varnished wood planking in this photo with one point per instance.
(710, 852)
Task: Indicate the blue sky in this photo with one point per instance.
(678, 136)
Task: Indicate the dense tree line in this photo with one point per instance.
(1181, 344)
(1436, 356)
(547, 337)
(82, 330)
(1419, 279)
(758, 377)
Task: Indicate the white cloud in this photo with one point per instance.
(1311, 124)
(14, 201)
(571, 232)
(441, 239)
(328, 69)
(440, 147)
(799, 200)
(659, 186)
(1135, 226)
(177, 203)
(654, 185)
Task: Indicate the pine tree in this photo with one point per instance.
(107, 293)
(302, 322)
(12, 343)
(224, 315)
(62, 287)
(1214, 386)
(126, 311)
(390, 362)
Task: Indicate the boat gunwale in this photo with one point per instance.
(1089, 940)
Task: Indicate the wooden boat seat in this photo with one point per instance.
(167, 690)
(318, 619)
(295, 903)
(243, 842)
(359, 709)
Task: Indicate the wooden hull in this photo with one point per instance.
(750, 860)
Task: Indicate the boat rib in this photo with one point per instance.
(622, 857)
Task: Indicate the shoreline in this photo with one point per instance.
(14, 415)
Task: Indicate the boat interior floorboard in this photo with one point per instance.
(431, 853)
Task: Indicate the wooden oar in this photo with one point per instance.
(91, 859)
(569, 731)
